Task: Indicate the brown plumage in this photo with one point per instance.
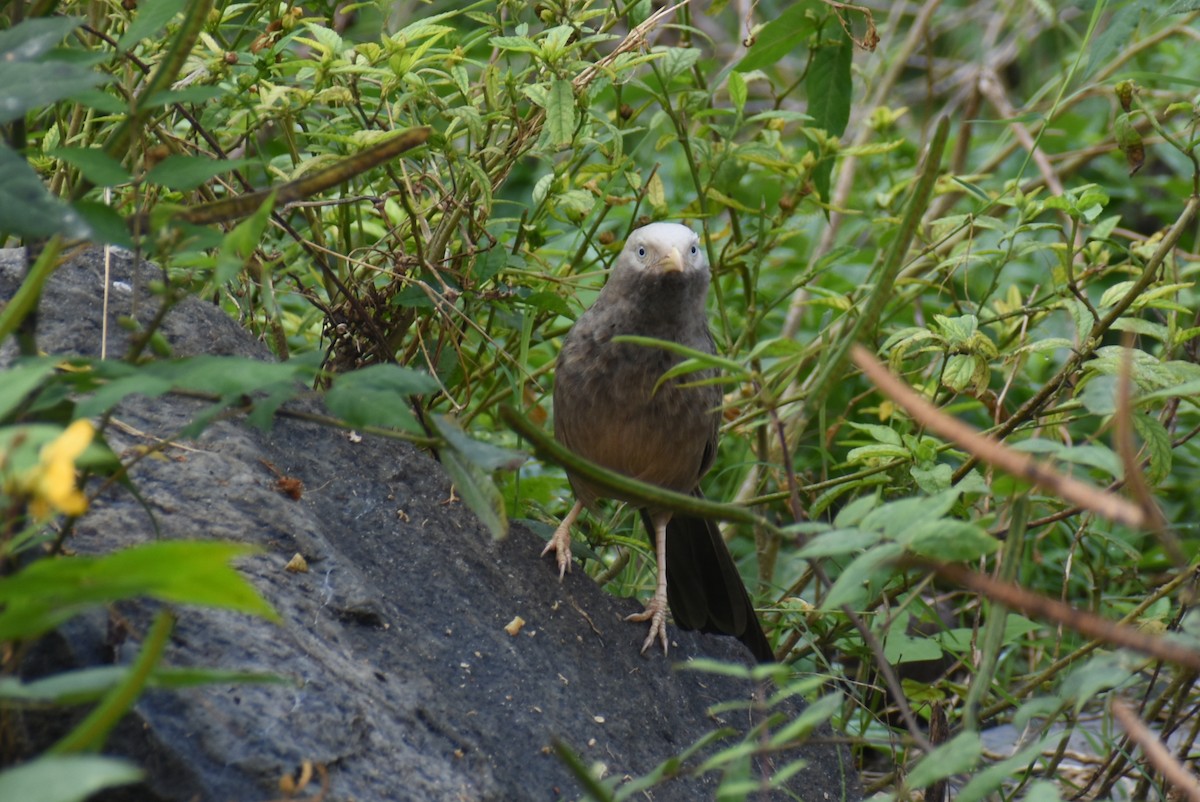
(608, 410)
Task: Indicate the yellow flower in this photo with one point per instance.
(52, 484)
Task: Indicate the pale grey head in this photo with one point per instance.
(666, 247)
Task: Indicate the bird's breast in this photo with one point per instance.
(611, 408)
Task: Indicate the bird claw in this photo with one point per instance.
(560, 544)
(656, 614)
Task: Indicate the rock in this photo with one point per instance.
(405, 683)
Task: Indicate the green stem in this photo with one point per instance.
(881, 295)
(1085, 351)
(195, 16)
(25, 301)
(624, 487)
(93, 730)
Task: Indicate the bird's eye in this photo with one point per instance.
(694, 250)
(641, 253)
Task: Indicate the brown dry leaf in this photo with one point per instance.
(290, 487)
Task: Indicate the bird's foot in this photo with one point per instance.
(656, 614)
(560, 544)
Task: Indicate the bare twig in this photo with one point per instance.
(1156, 751)
(1043, 607)
(993, 451)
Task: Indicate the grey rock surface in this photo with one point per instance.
(405, 683)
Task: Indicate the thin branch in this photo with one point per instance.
(994, 452)
(1156, 752)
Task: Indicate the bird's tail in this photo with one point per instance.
(704, 589)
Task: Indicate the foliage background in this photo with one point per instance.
(792, 135)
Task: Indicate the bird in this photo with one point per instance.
(612, 407)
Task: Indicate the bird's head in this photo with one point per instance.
(662, 272)
(663, 249)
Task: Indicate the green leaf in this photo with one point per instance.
(1115, 293)
(378, 396)
(1145, 328)
(1042, 791)
(881, 434)
(1094, 456)
(477, 490)
(1118, 33)
(961, 640)
(1048, 344)
(712, 360)
(239, 245)
(108, 227)
(957, 330)
(839, 541)
(100, 101)
(548, 302)
(958, 755)
(717, 667)
(896, 518)
(1149, 372)
(829, 85)
(813, 716)
(1081, 316)
(185, 173)
(325, 40)
(901, 647)
(66, 778)
(878, 451)
(932, 479)
(949, 540)
(515, 44)
(1099, 395)
(990, 779)
(231, 376)
(850, 586)
(560, 112)
(90, 734)
(677, 60)
(1098, 674)
(86, 685)
(189, 94)
(32, 85)
(779, 37)
(34, 37)
(96, 165)
(27, 208)
(52, 590)
(856, 511)
(738, 91)
(24, 302)
(150, 20)
(1184, 390)
(1158, 446)
(485, 455)
(829, 92)
(959, 374)
(575, 204)
(852, 488)
(142, 382)
(18, 381)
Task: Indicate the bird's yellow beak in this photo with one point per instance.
(671, 261)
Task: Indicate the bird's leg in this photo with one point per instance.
(560, 541)
(656, 610)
